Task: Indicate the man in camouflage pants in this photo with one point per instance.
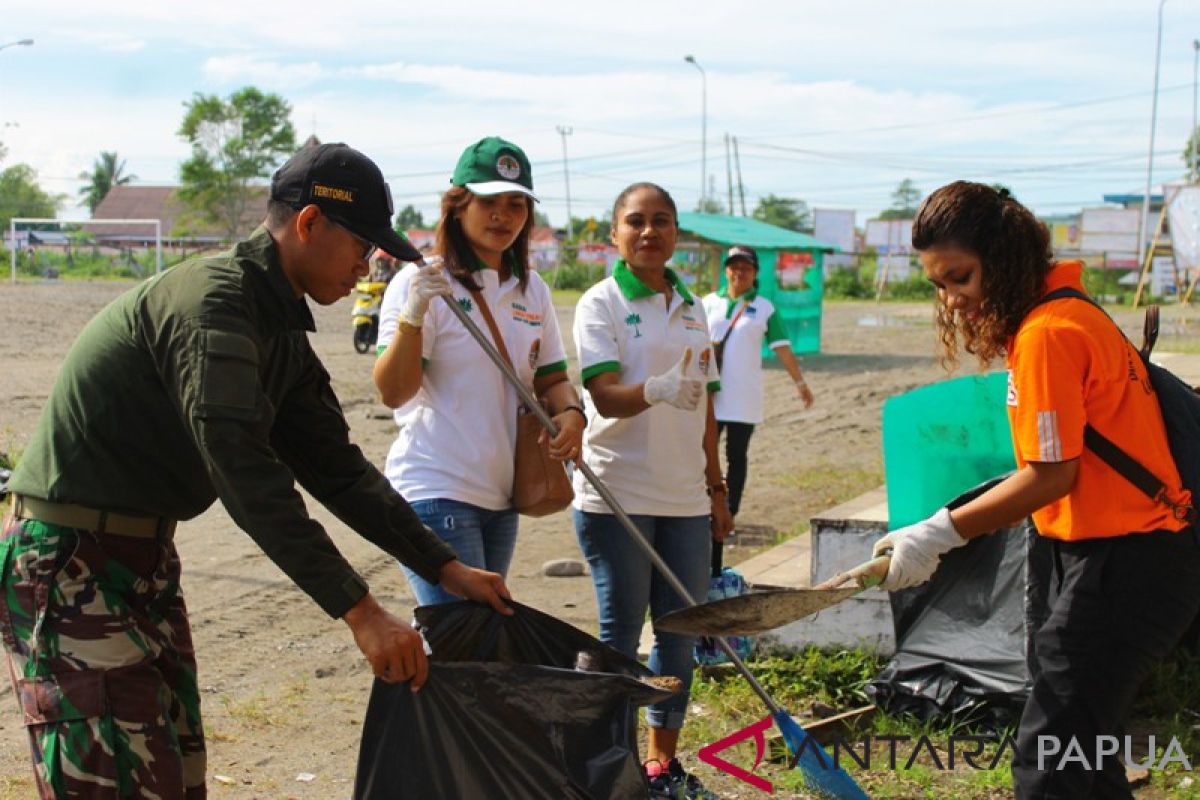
(196, 385)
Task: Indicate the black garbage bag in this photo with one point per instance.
(963, 639)
(507, 713)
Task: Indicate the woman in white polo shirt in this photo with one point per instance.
(742, 320)
(647, 369)
(453, 459)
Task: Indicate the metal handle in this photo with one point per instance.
(527, 396)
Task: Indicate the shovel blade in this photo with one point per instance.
(751, 614)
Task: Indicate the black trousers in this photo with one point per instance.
(737, 444)
(1117, 606)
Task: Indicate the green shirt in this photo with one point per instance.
(201, 383)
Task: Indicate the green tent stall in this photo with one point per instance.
(790, 269)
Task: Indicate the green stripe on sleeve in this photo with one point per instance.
(714, 386)
(602, 367)
(775, 328)
(557, 366)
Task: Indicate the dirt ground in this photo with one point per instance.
(284, 689)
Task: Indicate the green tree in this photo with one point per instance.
(409, 218)
(1192, 162)
(784, 212)
(540, 219)
(235, 142)
(905, 199)
(107, 171)
(710, 205)
(590, 229)
(21, 196)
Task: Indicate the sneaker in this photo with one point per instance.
(658, 781)
(675, 783)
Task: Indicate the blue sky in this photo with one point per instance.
(834, 103)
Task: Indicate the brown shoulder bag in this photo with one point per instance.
(540, 484)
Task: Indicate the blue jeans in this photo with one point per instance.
(481, 537)
(626, 584)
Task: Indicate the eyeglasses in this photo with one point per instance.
(368, 248)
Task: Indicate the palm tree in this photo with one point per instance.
(634, 320)
(107, 172)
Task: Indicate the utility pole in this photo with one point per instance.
(703, 127)
(729, 174)
(1143, 240)
(741, 189)
(564, 131)
(1195, 67)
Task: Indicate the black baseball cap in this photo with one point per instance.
(348, 188)
(741, 251)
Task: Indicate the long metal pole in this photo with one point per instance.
(703, 128)
(1145, 228)
(531, 402)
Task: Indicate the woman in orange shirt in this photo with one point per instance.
(1127, 570)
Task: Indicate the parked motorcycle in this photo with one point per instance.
(365, 314)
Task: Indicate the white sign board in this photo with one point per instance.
(835, 227)
(890, 236)
(1109, 229)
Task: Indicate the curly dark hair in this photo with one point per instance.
(450, 241)
(1013, 248)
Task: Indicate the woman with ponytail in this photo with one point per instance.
(1126, 581)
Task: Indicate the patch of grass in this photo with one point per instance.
(16, 787)
(824, 484)
(566, 297)
(261, 710)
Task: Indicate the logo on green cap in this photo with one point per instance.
(508, 167)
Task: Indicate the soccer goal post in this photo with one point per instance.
(14, 245)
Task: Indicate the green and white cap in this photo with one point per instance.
(494, 166)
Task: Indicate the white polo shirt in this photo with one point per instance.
(653, 461)
(741, 395)
(458, 434)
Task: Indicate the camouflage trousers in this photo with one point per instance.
(100, 654)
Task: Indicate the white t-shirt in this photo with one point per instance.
(653, 462)
(458, 434)
(741, 395)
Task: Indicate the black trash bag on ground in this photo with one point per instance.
(506, 713)
(964, 639)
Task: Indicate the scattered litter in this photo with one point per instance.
(563, 568)
(225, 779)
(325, 672)
(306, 777)
(1186, 783)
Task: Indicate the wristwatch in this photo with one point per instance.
(717, 488)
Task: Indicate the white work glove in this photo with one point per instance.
(674, 387)
(916, 550)
(428, 283)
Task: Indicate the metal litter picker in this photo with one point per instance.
(817, 766)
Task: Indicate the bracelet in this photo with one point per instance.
(582, 413)
(717, 488)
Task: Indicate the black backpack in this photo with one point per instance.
(1180, 405)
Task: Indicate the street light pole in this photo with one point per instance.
(19, 42)
(703, 127)
(1143, 244)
